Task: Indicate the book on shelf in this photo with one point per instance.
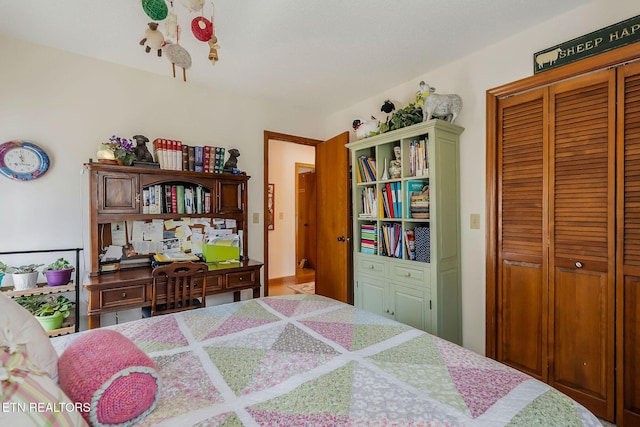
(368, 239)
(367, 169)
(418, 197)
(390, 237)
(410, 244)
(419, 157)
(369, 203)
(422, 237)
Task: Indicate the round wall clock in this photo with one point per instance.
(22, 161)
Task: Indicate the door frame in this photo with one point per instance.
(270, 135)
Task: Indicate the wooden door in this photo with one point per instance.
(306, 218)
(628, 247)
(581, 233)
(333, 274)
(521, 337)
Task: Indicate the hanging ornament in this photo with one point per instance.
(171, 26)
(202, 28)
(193, 5)
(155, 9)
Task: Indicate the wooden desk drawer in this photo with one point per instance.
(215, 282)
(122, 297)
(241, 279)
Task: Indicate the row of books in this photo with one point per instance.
(390, 240)
(368, 239)
(391, 200)
(366, 169)
(174, 155)
(418, 158)
(418, 196)
(176, 198)
(369, 203)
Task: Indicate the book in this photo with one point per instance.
(185, 157)
(167, 199)
(198, 159)
(422, 237)
(192, 158)
(180, 198)
(417, 192)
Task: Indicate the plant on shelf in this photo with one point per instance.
(407, 116)
(117, 150)
(24, 276)
(49, 310)
(58, 272)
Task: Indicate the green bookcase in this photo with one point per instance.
(415, 205)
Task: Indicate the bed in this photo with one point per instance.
(307, 360)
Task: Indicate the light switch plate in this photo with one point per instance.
(256, 217)
(474, 221)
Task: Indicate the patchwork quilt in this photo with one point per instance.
(306, 360)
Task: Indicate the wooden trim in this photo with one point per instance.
(612, 58)
(269, 135)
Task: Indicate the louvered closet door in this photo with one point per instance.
(522, 252)
(628, 255)
(582, 245)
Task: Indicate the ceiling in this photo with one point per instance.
(323, 55)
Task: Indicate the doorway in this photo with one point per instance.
(288, 162)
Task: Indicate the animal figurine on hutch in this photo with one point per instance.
(365, 128)
(231, 165)
(143, 156)
(445, 107)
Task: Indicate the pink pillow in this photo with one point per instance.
(107, 370)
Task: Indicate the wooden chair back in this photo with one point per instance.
(186, 286)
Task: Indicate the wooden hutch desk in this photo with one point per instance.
(116, 194)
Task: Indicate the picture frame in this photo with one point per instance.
(271, 206)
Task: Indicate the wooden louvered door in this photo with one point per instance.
(522, 250)
(628, 247)
(582, 237)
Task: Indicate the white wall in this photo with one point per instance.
(471, 77)
(69, 104)
(283, 157)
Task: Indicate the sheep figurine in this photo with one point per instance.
(178, 56)
(365, 128)
(153, 38)
(445, 107)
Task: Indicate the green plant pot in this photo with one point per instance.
(52, 322)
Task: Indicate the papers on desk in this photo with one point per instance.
(175, 256)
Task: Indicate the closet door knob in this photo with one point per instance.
(578, 264)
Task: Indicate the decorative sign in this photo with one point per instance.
(612, 37)
(270, 206)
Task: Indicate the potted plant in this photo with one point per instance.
(49, 310)
(58, 272)
(24, 276)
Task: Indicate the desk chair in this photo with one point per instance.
(186, 284)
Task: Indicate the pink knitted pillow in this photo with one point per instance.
(107, 370)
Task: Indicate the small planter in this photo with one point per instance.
(58, 277)
(23, 281)
(49, 323)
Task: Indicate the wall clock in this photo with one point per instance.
(22, 161)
